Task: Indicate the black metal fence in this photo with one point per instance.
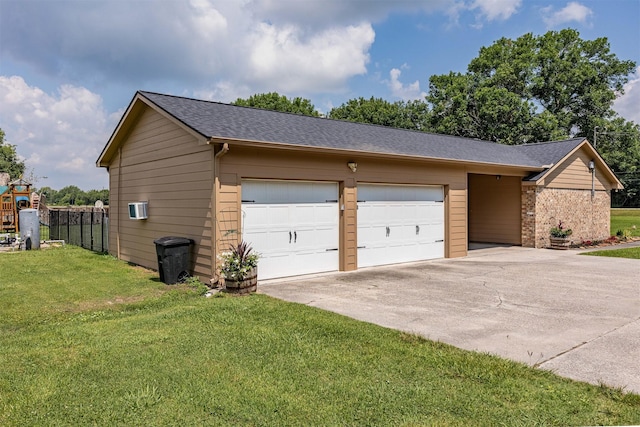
(85, 227)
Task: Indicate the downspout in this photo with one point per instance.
(592, 168)
(214, 207)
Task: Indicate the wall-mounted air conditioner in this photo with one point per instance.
(138, 210)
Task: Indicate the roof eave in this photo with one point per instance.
(137, 105)
(616, 184)
(296, 147)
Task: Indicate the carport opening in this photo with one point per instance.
(494, 210)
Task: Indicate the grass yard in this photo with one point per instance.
(88, 340)
(633, 253)
(625, 219)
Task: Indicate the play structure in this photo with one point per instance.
(14, 197)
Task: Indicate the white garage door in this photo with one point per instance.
(293, 225)
(399, 224)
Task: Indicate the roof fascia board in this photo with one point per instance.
(617, 185)
(122, 127)
(612, 176)
(126, 124)
(292, 147)
(199, 136)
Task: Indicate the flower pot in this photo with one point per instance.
(560, 243)
(247, 285)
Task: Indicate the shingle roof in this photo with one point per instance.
(548, 153)
(212, 119)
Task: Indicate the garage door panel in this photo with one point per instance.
(399, 224)
(292, 224)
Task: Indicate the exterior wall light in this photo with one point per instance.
(353, 166)
(592, 165)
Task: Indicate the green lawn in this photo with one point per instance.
(633, 253)
(88, 340)
(625, 219)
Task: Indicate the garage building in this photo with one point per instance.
(314, 195)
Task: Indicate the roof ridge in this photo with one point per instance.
(326, 118)
(551, 142)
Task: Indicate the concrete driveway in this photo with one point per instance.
(578, 316)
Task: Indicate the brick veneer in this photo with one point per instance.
(542, 208)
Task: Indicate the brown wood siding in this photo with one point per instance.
(348, 225)
(166, 166)
(456, 221)
(255, 163)
(574, 174)
(495, 209)
(113, 210)
(228, 221)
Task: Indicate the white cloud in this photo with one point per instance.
(283, 58)
(572, 12)
(496, 9)
(628, 105)
(263, 45)
(325, 13)
(60, 136)
(406, 92)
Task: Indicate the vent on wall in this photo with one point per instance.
(138, 210)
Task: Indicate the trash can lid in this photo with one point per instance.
(173, 241)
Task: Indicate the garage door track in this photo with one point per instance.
(578, 316)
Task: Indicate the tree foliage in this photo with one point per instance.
(9, 161)
(274, 101)
(531, 89)
(377, 111)
(73, 196)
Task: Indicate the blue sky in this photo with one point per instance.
(68, 69)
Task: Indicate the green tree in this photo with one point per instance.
(71, 195)
(531, 89)
(9, 161)
(542, 88)
(95, 195)
(619, 144)
(400, 114)
(50, 195)
(274, 101)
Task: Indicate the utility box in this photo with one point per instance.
(173, 258)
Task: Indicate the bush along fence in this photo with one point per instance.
(84, 227)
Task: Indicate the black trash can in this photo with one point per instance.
(173, 258)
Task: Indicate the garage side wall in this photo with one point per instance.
(494, 209)
(162, 164)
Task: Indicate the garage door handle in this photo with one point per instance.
(248, 201)
(332, 249)
(388, 231)
(289, 237)
(417, 230)
(295, 237)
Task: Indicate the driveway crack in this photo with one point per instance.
(496, 292)
(577, 346)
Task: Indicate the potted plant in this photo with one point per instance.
(559, 236)
(239, 268)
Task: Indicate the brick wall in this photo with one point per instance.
(543, 208)
(528, 216)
